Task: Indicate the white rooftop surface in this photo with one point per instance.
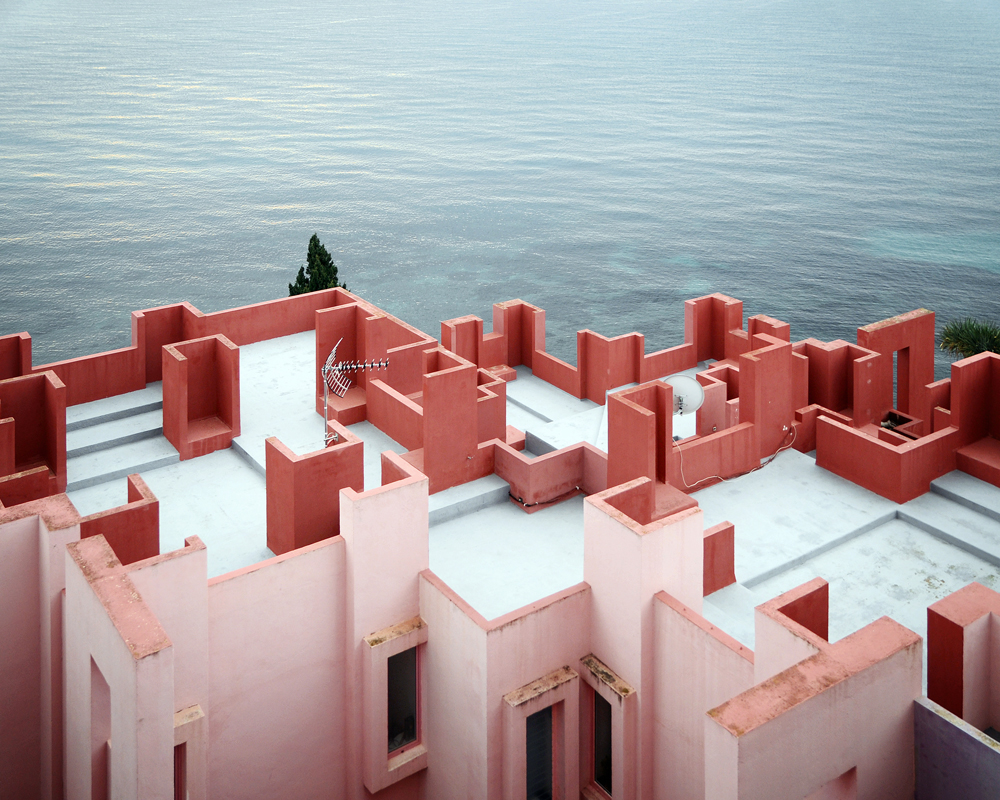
(793, 520)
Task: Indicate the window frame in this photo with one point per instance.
(559, 689)
(381, 767)
(598, 678)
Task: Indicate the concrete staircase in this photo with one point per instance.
(114, 437)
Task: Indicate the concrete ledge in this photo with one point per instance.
(467, 498)
(981, 497)
(112, 408)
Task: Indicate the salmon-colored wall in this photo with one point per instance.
(720, 560)
(132, 530)
(303, 491)
(37, 404)
(897, 472)
(912, 334)
(201, 395)
(549, 476)
(451, 426)
(400, 418)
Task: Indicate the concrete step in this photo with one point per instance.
(99, 466)
(955, 523)
(981, 497)
(469, 497)
(114, 432)
(121, 406)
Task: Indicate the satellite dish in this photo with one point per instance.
(688, 394)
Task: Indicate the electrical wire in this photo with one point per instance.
(560, 498)
(733, 477)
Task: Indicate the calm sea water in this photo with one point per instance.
(829, 163)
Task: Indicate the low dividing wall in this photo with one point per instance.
(303, 491)
(898, 472)
(132, 530)
(547, 477)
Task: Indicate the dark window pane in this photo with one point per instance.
(402, 699)
(602, 743)
(539, 747)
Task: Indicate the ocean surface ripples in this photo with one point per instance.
(830, 165)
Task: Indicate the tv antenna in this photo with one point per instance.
(688, 394)
(335, 380)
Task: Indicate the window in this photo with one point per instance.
(180, 771)
(402, 699)
(608, 737)
(393, 704)
(541, 739)
(538, 754)
(602, 743)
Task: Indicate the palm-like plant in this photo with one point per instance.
(967, 337)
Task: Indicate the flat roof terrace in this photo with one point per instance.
(793, 520)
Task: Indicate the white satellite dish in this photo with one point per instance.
(688, 394)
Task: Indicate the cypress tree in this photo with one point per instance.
(318, 273)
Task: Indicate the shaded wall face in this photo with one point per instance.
(953, 758)
(203, 391)
(20, 660)
(24, 400)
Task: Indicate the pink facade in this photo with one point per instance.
(129, 673)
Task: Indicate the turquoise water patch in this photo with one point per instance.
(970, 249)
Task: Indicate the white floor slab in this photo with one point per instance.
(500, 558)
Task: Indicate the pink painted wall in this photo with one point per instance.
(849, 706)
(698, 667)
(963, 654)
(20, 659)
(386, 547)
(175, 588)
(275, 650)
(626, 564)
(456, 674)
(472, 663)
(107, 622)
(525, 645)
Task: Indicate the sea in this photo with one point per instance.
(829, 163)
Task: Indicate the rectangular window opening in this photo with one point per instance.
(100, 733)
(602, 743)
(538, 742)
(402, 685)
(180, 771)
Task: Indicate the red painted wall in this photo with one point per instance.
(303, 491)
(15, 355)
(201, 395)
(132, 530)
